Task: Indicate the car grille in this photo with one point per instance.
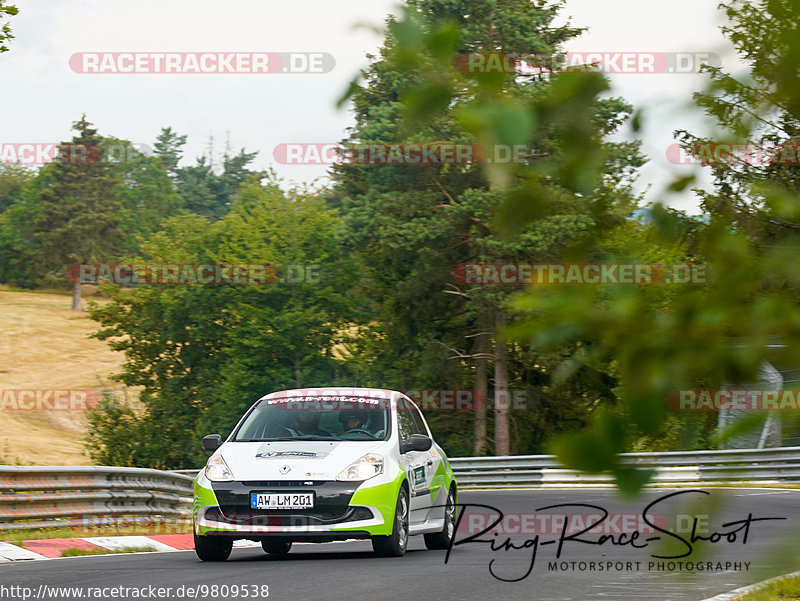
(244, 515)
(281, 483)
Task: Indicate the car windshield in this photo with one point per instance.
(317, 418)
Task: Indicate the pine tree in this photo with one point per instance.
(210, 194)
(413, 224)
(169, 149)
(760, 113)
(79, 212)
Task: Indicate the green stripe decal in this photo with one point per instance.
(383, 498)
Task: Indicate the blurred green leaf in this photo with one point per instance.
(630, 481)
(681, 183)
(426, 100)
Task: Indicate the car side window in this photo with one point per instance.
(405, 421)
(417, 415)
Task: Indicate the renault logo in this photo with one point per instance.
(285, 469)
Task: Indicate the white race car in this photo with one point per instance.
(318, 465)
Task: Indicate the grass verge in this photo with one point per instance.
(16, 537)
(786, 589)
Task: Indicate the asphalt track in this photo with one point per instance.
(349, 571)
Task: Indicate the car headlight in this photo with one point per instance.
(362, 469)
(217, 470)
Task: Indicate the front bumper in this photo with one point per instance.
(224, 509)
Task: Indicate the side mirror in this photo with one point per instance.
(212, 442)
(416, 442)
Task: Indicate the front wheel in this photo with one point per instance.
(441, 540)
(395, 544)
(212, 548)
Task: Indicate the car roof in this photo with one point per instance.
(370, 393)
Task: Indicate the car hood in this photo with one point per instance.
(289, 460)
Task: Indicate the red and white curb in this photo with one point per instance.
(52, 548)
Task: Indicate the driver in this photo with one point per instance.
(307, 423)
(353, 420)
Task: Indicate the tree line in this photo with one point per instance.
(595, 361)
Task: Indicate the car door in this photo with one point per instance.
(433, 459)
(414, 463)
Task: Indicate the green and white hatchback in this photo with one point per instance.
(319, 465)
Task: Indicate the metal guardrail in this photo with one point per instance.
(678, 468)
(45, 497)
(40, 497)
(674, 468)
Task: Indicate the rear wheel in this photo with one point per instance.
(395, 544)
(441, 540)
(212, 548)
(276, 547)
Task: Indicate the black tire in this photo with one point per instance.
(395, 544)
(213, 548)
(278, 546)
(441, 540)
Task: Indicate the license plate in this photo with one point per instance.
(288, 500)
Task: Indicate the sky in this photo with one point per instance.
(43, 95)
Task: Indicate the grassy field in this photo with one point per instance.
(45, 346)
